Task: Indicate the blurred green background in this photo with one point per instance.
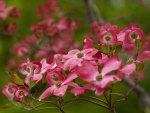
(119, 12)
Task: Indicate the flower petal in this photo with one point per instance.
(128, 69)
(47, 92)
(86, 71)
(111, 65)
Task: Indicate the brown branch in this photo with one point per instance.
(144, 96)
(89, 10)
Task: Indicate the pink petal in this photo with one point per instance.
(99, 92)
(144, 56)
(71, 63)
(128, 69)
(47, 92)
(86, 71)
(88, 43)
(71, 54)
(70, 78)
(106, 81)
(61, 91)
(2, 5)
(78, 91)
(37, 77)
(111, 65)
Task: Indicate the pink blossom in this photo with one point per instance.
(48, 9)
(75, 57)
(10, 28)
(89, 73)
(20, 49)
(34, 70)
(129, 36)
(9, 90)
(59, 85)
(15, 13)
(20, 93)
(5, 12)
(108, 34)
(66, 24)
(95, 26)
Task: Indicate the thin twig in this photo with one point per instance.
(96, 99)
(138, 90)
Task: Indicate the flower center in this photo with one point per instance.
(58, 84)
(21, 93)
(130, 60)
(80, 55)
(27, 69)
(107, 37)
(11, 90)
(134, 36)
(99, 77)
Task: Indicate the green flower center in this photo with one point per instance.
(21, 93)
(134, 36)
(27, 69)
(80, 55)
(99, 77)
(107, 37)
(58, 84)
(11, 90)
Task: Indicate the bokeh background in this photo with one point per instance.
(119, 12)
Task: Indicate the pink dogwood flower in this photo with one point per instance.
(129, 36)
(9, 90)
(75, 57)
(34, 70)
(20, 49)
(20, 93)
(4, 12)
(108, 35)
(88, 72)
(59, 84)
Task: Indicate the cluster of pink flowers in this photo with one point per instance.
(49, 9)
(95, 67)
(9, 12)
(58, 34)
(14, 92)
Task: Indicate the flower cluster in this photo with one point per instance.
(97, 69)
(64, 69)
(9, 12)
(14, 92)
(49, 9)
(48, 36)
